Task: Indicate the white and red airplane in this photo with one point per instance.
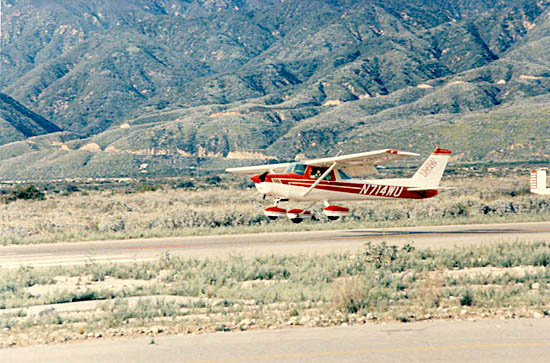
(330, 180)
(537, 183)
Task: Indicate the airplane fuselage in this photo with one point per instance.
(293, 186)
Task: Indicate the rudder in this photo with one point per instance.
(430, 173)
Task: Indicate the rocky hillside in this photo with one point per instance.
(159, 86)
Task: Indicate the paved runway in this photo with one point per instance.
(520, 340)
(316, 242)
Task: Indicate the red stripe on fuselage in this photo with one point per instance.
(365, 189)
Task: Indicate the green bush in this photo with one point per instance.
(71, 188)
(148, 188)
(213, 180)
(467, 299)
(184, 184)
(25, 192)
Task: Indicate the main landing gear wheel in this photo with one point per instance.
(298, 215)
(273, 213)
(333, 212)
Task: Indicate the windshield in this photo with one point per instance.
(296, 168)
(343, 174)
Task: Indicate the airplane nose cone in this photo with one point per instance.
(260, 178)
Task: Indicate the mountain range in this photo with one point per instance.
(156, 87)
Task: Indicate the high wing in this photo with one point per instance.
(361, 163)
(272, 168)
(353, 164)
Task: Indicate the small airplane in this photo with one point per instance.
(330, 180)
(537, 183)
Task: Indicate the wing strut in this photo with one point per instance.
(327, 172)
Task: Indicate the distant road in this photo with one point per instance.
(316, 242)
(519, 340)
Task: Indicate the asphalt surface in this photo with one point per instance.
(315, 242)
(521, 340)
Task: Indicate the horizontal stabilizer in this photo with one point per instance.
(435, 188)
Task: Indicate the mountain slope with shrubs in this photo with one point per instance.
(150, 87)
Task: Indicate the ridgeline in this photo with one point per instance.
(147, 87)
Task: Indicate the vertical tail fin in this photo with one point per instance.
(537, 182)
(430, 173)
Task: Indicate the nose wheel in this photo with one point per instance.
(274, 212)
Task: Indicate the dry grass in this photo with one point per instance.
(181, 295)
(169, 212)
(178, 295)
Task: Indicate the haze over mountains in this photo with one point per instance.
(154, 87)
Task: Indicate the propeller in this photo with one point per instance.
(259, 178)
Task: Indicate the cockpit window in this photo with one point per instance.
(300, 169)
(296, 168)
(343, 175)
(317, 171)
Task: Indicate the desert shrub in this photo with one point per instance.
(148, 188)
(68, 296)
(128, 271)
(373, 290)
(28, 192)
(467, 299)
(115, 225)
(351, 296)
(213, 180)
(184, 184)
(71, 188)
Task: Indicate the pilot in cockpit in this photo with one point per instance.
(317, 174)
